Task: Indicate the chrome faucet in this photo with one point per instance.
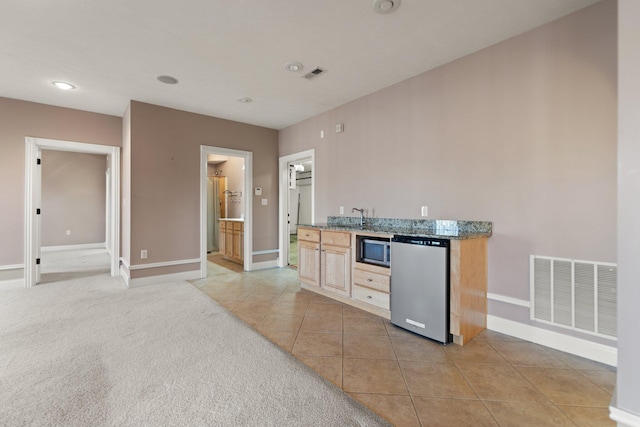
(361, 215)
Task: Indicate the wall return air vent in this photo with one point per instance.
(579, 295)
(315, 73)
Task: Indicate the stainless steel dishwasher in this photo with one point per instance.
(420, 286)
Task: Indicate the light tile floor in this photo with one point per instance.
(494, 380)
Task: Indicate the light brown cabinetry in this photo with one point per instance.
(371, 285)
(327, 263)
(231, 240)
(468, 272)
(324, 259)
(309, 256)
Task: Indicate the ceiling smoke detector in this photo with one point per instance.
(168, 80)
(386, 6)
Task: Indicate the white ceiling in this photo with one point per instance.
(224, 50)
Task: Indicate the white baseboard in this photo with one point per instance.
(12, 284)
(162, 278)
(578, 346)
(264, 265)
(102, 245)
(508, 300)
(624, 418)
(12, 267)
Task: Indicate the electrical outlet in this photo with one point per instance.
(321, 134)
(143, 254)
(424, 211)
(341, 210)
(68, 232)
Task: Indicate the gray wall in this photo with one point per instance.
(19, 119)
(628, 386)
(161, 166)
(522, 133)
(73, 198)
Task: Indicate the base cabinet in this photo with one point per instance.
(324, 259)
(372, 285)
(232, 240)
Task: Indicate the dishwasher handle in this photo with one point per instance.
(422, 241)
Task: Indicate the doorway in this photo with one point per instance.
(33, 200)
(73, 215)
(236, 167)
(297, 201)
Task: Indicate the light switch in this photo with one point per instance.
(265, 202)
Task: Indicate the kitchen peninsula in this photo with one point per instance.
(330, 263)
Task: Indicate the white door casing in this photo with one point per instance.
(283, 238)
(205, 150)
(33, 185)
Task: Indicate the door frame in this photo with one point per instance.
(284, 161)
(205, 150)
(33, 194)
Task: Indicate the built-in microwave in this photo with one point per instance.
(374, 250)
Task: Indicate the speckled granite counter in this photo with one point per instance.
(443, 229)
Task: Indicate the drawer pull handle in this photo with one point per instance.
(369, 297)
(369, 280)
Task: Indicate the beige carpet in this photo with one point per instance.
(88, 352)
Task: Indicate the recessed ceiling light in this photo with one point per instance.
(385, 6)
(245, 100)
(63, 85)
(168, 80)
(293, 66)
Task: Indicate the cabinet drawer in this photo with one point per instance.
(238, 226)
(309, 234)
(368, 279)
(223, 225)
(339, 238)
(371, 296)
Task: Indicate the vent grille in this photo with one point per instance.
(314, 73)
(579, 295)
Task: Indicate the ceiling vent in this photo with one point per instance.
(314, 73)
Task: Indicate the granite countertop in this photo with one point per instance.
(442, 229)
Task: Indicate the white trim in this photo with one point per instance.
(265, 265)
(163, 278)
(12, 284)
(163, 264)
(266, 251)
(11, 267)
(33, 147)
(623, 417)
(578, 346)
(102, 245)
(283, 235)
(508, 300)
(125, 277)
(248, 203)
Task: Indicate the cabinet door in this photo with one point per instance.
(228, 244)
(222, 240)
(336, 269)
(238, 246)
(309, 262)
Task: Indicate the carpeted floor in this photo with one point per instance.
(87, 352)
